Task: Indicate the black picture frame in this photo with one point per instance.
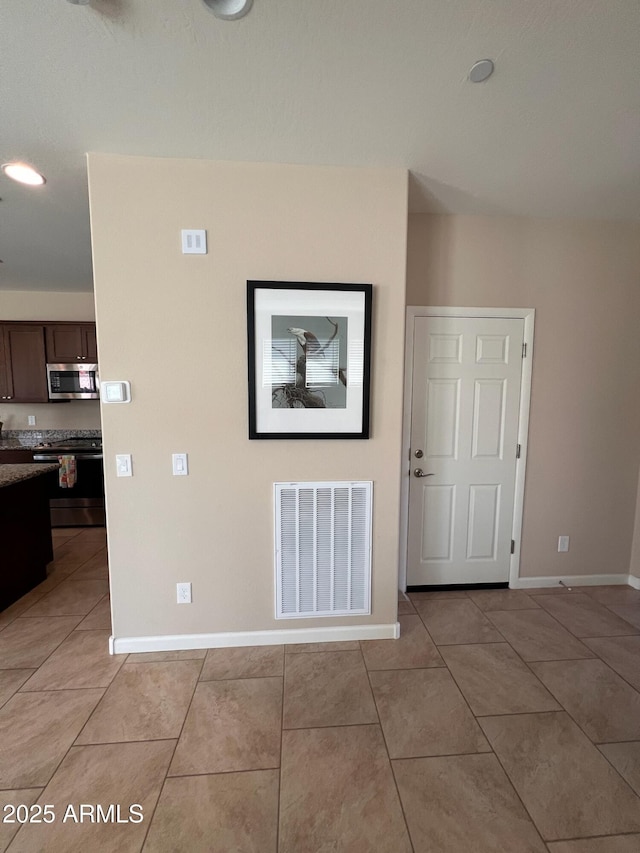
(310, 379)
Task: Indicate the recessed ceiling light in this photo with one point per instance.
(481, 70)
(229, 10)
(23, 173)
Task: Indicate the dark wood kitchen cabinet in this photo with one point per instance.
(70, 342)
(23, 377)
(6, 386)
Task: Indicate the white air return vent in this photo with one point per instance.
(323, 549)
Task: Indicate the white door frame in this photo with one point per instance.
(526, 314)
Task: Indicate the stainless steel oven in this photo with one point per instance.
(73, 381)
(81, 504)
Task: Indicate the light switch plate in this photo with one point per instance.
(123, 465)
(194, 241)
(180, 463)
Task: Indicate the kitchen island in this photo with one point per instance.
(13, 451)
(25, 529)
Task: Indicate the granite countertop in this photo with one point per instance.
(26, 439)
(10, 474)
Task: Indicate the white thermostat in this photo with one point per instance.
(115, 392)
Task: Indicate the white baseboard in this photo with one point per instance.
(573, 580)
(634, 581)
(176, 642)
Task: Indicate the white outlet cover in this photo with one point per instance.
(563, 544)
(183, 593)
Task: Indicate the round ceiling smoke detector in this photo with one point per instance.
(229, 10)
(481, 70)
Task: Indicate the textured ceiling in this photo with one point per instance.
(554, 132)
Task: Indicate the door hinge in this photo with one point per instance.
(518, 449)
(524, 350)
(513, 546)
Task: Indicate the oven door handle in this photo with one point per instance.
(53, 457)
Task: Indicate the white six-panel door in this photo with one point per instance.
(464, 432)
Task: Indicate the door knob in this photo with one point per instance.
(418, 472)
(419, 454)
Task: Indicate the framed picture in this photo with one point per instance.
(309, 359)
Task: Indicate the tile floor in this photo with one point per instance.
(500, 722)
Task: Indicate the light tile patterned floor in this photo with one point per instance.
(500, 722)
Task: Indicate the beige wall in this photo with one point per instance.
(635, 549)
(175, 326)
(583, 279)
(48, 305)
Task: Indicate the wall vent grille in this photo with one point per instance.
(323, 549)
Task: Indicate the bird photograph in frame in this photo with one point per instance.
(309, 347)
(309, 362)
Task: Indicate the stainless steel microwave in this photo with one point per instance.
(73, 382)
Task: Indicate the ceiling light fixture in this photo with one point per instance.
(229, 10)
(23, 173)
(481, 70)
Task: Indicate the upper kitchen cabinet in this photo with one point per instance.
(69, 342)
(22, 359)
(6, 385)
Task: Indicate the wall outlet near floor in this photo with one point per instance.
(31, 420)
(563, 543)
(184, 593)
